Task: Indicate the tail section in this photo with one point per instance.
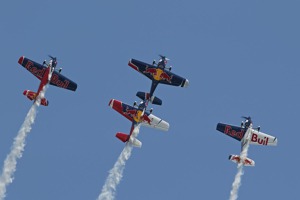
(32, 96)
(126, 138)
(237, 159)
(123, 137)
(146, 96)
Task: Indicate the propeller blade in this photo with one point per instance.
(53, 58)
(163, 57)
(246, 117)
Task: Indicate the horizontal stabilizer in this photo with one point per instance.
(132, 140)
(135, 142)
(246, 161)
(122, 136)
(29, 94)
(32, 96)
(146, 96)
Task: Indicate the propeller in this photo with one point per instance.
(163, 57)
(248, 118)
(53, 58)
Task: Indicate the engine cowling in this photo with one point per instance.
(237, 159)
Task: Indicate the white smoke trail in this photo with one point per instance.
(17, 148)
(238, 177)
(116, 173)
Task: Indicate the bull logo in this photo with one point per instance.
(158, 74)
(137, 116)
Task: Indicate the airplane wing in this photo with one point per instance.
(129, 112)
(260, 138)
(38, 71)
(35, 68)
(157, 123)
(141, 67)
(232, 131)
(63, 82)
(122, 108)
(170, 78)
(156, 74)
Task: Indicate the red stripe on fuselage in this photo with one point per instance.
(44, 80)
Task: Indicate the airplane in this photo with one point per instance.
(158, 73)
(247, 135)
(138, 115)
(42, 73)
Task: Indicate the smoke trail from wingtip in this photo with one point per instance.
(116, 173)
(238, 177)
(17, 148)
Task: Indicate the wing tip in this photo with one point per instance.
(111, 103)
(75, 87)
(187, 83)
(21, 59)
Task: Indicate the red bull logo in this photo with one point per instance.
(35, 71)
(247, 162)
(30, 95)
(136, 115)
(55, 80)
(233, 133)
(158, 74)
(262, 141)
(131, 113)
(235, 158)
(147, 119)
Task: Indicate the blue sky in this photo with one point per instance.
(241, 58)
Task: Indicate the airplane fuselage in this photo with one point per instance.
(45, 80)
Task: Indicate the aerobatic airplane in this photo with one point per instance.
(42, 73)
(247, 135)
(137, 114)
(158, 74)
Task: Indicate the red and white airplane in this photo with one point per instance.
(138, 115)
(247, 135)
(42, 73)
